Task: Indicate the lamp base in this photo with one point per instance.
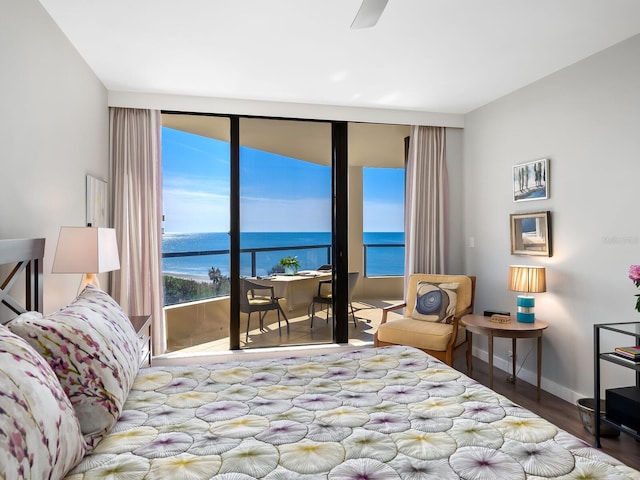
(525, 311)
(89, 279)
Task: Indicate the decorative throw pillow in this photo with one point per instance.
(39, 432)
(94, 351)
(436, 302)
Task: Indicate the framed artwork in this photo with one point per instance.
(97, 214)
(531, 180)
(531, 234)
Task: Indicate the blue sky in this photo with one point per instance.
(277, 193)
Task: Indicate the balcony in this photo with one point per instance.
(202, 325)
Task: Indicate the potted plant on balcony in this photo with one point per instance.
(290, 264)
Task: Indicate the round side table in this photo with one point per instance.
(482, 325)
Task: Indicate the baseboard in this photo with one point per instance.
(530, 376)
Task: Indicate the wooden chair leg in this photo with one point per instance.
(469, 353)
(449, 358)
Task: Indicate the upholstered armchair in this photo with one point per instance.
(431, 320)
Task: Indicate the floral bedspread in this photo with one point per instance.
(377, 413)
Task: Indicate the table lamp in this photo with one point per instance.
(527, 280)
(86, 250)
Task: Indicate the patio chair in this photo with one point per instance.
(325, 296)
(261, 299)
(433, 307)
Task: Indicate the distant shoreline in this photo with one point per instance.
(192, 255)
(187, 276)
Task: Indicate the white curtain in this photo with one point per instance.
(136, 190)
(426, 202)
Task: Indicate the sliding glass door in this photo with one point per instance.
(285, 232)
(195, 238)
(249, 199)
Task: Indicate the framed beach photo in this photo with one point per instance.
(531, 234)
(531, 180)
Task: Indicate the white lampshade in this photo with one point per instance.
(527, 279)
(87, 250)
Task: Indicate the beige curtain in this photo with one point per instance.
(426, 202)
(136, 190)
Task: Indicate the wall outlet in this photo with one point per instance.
(510, 355)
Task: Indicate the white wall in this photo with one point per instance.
(455, 159)
(186, 103)
(586, 119)
(53, 132)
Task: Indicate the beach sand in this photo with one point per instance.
(184, 276)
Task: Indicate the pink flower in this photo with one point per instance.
(634, 274)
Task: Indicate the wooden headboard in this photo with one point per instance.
(17, 256)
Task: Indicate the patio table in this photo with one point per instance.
(297, 290)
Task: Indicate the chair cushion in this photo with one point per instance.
(435, 302)
(419, 334)
(261, 300)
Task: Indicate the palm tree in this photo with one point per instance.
(215, 275)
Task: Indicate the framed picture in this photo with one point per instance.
(531, 180)
(531, 234)
(97, 214)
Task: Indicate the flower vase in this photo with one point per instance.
(289, 270)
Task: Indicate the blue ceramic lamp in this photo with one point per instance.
(526, 279)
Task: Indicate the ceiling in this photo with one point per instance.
(446, 56)
(370, 144)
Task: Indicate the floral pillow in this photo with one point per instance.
(436, 302)
(40, 435)
(94, 351)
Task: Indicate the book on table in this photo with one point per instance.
(632, 352)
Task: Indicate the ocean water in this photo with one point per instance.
(380, 260)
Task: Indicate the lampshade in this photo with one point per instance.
(87, 250)
(527, 280)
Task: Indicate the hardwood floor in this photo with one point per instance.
(560, 412)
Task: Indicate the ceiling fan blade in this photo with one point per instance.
(369, 13)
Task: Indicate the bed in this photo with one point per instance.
(374, 413)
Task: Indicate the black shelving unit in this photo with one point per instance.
(630, 329)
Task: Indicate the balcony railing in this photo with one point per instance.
(387, 264)
(305, 263)
(379, 260)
